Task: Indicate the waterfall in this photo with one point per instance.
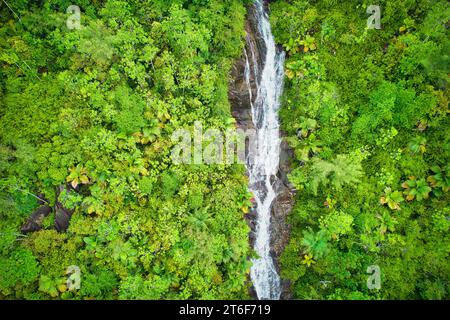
(263, 165)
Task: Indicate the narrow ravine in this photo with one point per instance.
(263, 164)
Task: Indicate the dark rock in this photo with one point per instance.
(62, 218)
(286, 154)
(280, 229)
(281, 207)
(34, 222)
(241, 95)
(62, 215)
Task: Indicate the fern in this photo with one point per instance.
(343, 170)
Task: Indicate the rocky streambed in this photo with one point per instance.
(243, 91)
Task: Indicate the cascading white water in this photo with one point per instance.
(263, 165)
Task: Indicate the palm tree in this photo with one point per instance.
(316, 243)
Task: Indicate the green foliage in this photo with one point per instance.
(391, 105)
(315, 243)
(99, 285)
(146, 185)
(383, 93)
(414, 188)
(94, 108)
(19, 270)
(50, 285)
(337, 224)
(339, 172)
(418, 144)
(170, 183)
(439, 180)
(392, 198)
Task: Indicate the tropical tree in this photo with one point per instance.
(343, 170)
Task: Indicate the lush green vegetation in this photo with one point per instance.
(366, 112)
(95, 108)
